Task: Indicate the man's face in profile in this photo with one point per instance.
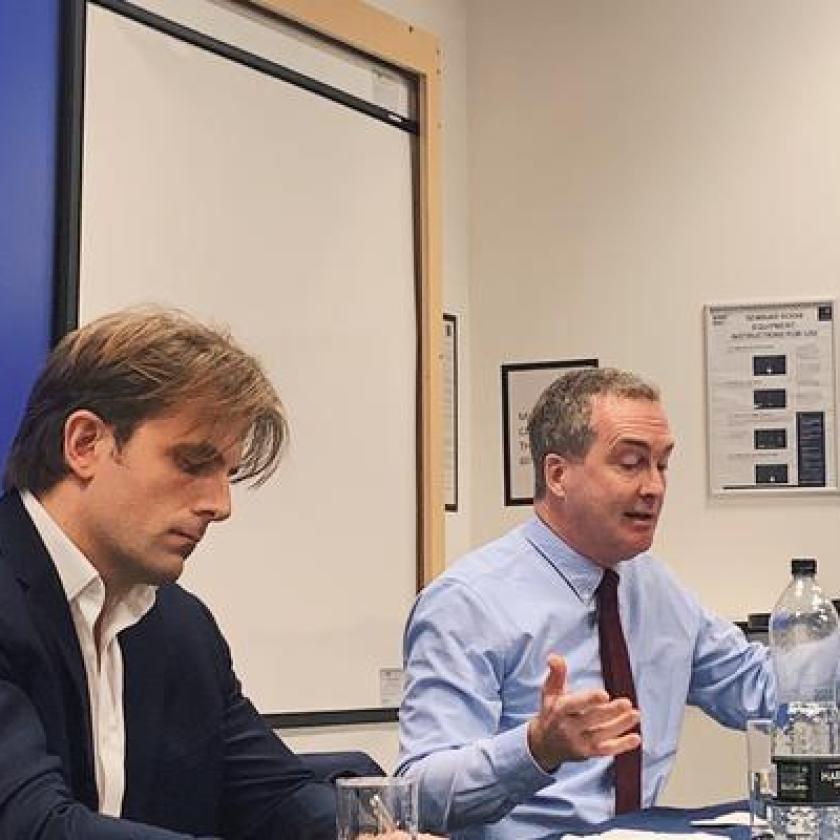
(612, 497)
(150, 501)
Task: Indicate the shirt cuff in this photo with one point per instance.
(515, 767)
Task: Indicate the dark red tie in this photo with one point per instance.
(618, 681)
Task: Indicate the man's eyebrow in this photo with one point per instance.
(637, 443)
(630, 441)
(202, 451)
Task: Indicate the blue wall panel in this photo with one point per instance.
(29, 75)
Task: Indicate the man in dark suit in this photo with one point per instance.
(120, 714)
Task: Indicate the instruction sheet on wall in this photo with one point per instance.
(771, 397)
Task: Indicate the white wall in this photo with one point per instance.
(629, 162)
(447, 20)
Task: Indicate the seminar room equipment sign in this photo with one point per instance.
(771, 397)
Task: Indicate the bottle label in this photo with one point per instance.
(810, 780)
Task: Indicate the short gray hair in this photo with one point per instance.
(560, 421)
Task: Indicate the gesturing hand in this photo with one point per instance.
(571, 727)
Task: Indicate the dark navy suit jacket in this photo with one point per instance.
(199, 760)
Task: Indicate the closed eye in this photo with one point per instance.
(191, 467)
(197, 460)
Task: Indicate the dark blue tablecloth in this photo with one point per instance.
(673, 821)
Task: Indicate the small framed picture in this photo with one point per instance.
(522, 384)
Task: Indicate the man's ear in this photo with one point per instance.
(555, 471)
(86, 439)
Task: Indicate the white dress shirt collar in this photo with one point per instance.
(99, 646)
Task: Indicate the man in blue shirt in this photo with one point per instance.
(502, 748)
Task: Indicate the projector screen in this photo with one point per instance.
(251, 202)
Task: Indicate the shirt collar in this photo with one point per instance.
(581, 573)
(75, 571)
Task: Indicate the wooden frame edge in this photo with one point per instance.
(396, 42)
(362, 27)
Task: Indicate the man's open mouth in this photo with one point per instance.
(640, 517)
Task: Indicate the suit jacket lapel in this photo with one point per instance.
(144, 647)
(23, 550)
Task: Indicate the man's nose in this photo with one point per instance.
(654, 482)
(215, 500)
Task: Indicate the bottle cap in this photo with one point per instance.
(758, 622)
(803, 566)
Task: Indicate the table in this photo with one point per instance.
(673, 821)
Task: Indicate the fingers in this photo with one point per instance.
(613, 717)
(578, 725)
(600, 724)
(586, 701)
(613, 735)
(555, 683)
(616, 746)
(397, 835)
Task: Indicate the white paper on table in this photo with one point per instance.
(638, 834)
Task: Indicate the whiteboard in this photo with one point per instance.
(288, 217)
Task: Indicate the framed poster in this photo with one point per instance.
(450, 412)
(522, 384)
(169, 99)
(771, 397)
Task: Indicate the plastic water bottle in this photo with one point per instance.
(805, 644)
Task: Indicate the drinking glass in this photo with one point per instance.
(376, 805)
(760, 774)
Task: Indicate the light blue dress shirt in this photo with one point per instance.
(476, 646)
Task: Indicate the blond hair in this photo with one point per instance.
(133, 365)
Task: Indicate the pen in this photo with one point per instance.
(382, 814)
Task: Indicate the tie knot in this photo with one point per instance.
(608, 587)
